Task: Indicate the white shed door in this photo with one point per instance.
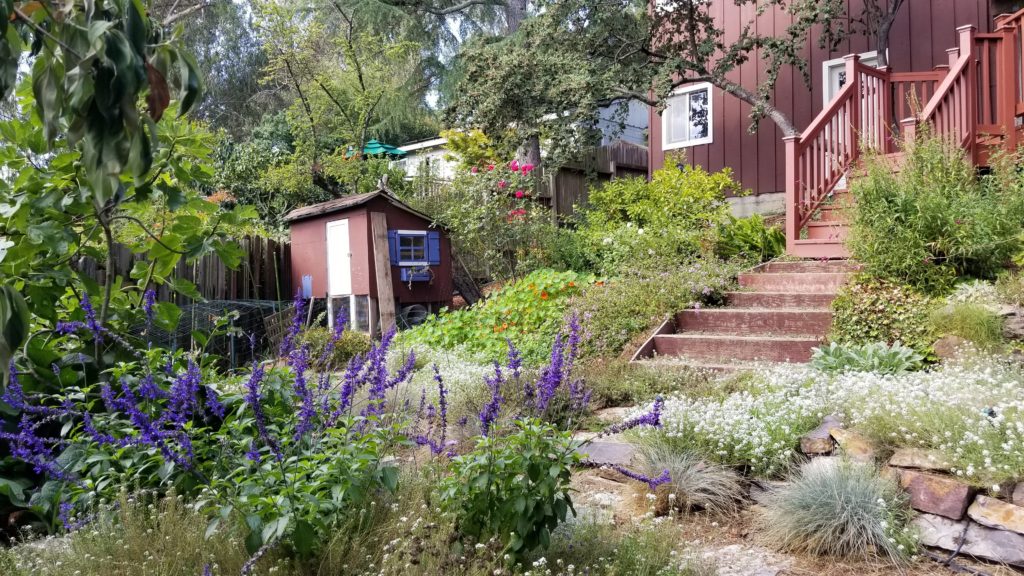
(339, 259)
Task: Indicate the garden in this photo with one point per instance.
(509, 436)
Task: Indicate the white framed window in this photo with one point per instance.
(686, 120)
(834, 74)
(412, 248)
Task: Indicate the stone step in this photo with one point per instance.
(726, 348)
(794, 282)
(827, 230)
(780, 299)
(747, 321)
(809, 266)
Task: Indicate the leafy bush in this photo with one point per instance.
(631, 222)
(935, 219)
(842, 510)
(342, 349)
(514, 488)
(1010, 287)
(696, 484)
(750, 238)
(528, 312)
(876, 357)
(869, 310)
(975, 323)
(621, 308)
(617, 382)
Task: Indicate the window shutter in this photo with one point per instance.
(434, 247)
(393, 246)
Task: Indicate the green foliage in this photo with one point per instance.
(751, 238)
(632, 223)
(14, 326)
(876, 357)
(470, 148)
(975, 323)
(619, 309)
(344, 348)
(529, 312)
(696, 484)
(497, 230)
(617, 382)
(514, 488)
(870, 310)
(841, 510)
(1010, 287)
(137, 535)
(935, 219)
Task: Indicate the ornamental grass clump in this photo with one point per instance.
(976, 323)
(840, 509)
(695, 485)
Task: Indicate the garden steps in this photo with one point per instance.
(781, 313)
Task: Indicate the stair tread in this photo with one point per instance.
(757, 309)
(740, 337)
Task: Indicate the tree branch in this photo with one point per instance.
(169, 21)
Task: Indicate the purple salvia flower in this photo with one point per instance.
(653, 483)
(288, 342)
(254, 398)
(90, 318)
(298, 360)
(339, 329)
(149, 390)
(148, 301)
(490, 412)
(551, 375)
(213, 403)
(254, 452)
(652, 418)
(65, 328)
(207, 570)
(184, 394)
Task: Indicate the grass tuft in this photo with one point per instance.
(975, 323)
(696, 483)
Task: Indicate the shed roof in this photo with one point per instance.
(349, 202)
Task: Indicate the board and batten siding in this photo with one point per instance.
(922, 33)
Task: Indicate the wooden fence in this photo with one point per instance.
(569, 186)
(264, 273)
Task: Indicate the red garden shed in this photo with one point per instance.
(372, 256)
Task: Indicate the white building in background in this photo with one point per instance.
(427, 157)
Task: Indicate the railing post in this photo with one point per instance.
(971, 93)
(909, 129)
(793, 185)
(952, 54)
(1006, 82)
(853, 130)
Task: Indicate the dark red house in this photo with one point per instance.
(372, 256)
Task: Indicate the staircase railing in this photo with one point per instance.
(819, 159)
(953, 110)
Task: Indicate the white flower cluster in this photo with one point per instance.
(972, 410)
(975, 292)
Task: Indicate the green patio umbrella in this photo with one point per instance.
(377, 148)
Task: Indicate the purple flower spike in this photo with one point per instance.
(490, 412)
(148, 301)
(288, 342)
(652, 418)
(653, 483)
(90, 318)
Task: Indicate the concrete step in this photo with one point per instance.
(749, 321)
(794, 281)
(827, 230)
(809, 266)
(780, 299)
(725, 349)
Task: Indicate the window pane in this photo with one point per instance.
(412, 248)
(698, 119)
(677, 119)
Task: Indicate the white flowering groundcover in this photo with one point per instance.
(971, 410)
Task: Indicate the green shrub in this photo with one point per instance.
(1010, 287)
(528, 311)
(876, 357)
(935, 220)
(696, 484)
(972, 322)
(632, 222)
(345, 348)
(841, 510)
(750, 238)
(514, 488)
(620, 309)
(869, 310)
(165, 538)
(617, 382)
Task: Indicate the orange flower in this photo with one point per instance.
(543, 295)
(572, 284)
(599, 282)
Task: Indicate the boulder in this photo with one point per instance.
(819, 441)
(948, 347)
(1017, 497)
(854, 446)
(1013, 322)
(612, 453)
(941, 495)
(997, 514)
(978, 541)
(920, 458)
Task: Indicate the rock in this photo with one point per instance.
(997, 514)
(761, 490)
(1013, 323)
(978, 541)
(613, 453)
(889, 473)
(1018, 494)
(920, 458)
(819, 440)
(948, 346)
(936, 494)
(854, 446)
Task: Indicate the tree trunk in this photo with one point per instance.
(776, 115)
(529, 152)
(515, 13)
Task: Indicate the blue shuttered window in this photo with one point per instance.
(414, 252)
(434, 247)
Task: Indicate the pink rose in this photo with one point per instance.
(513, 165)
(502, 184)
(520, 193)
(490, 167)
(527, 168)
(474, 169)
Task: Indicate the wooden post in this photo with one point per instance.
(1006, 83)
(967, 49)
(854, 129)
(382, 264)
(952, 55)
(792, 192)
(909, 130)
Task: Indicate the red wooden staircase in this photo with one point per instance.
(976, 101)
